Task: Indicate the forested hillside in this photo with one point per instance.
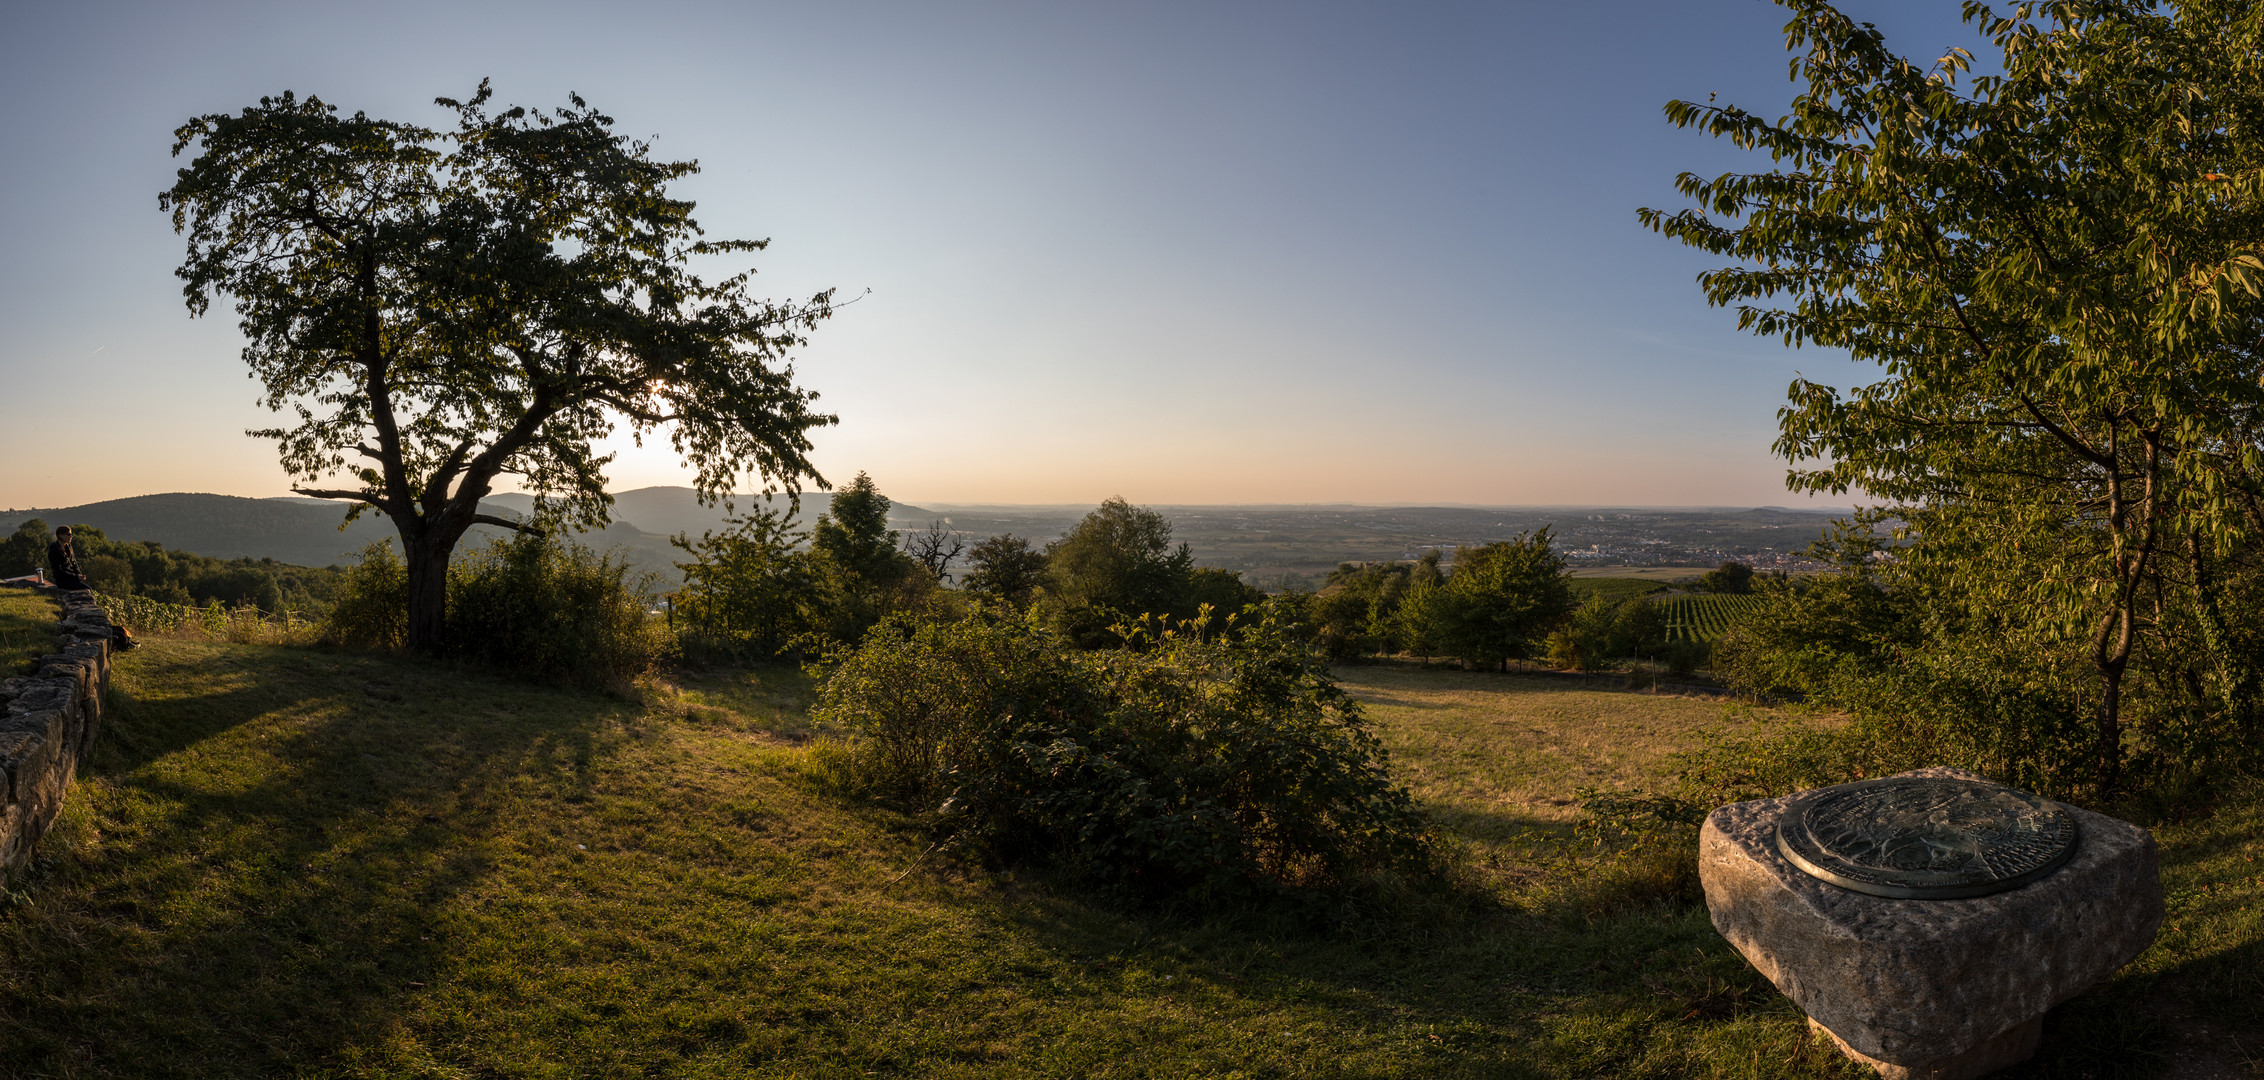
(302, 532)
(305, 532)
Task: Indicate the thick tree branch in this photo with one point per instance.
(508, 523)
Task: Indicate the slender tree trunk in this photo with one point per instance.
(2110, 729)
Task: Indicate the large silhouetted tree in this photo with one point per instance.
(440, 310)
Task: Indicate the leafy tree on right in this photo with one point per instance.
(2056, 271)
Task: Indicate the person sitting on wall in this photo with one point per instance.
(65, 562)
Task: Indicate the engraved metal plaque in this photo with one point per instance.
(1913, 838)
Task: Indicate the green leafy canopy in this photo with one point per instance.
(2058, 270)
(455, 307)
(443, 309)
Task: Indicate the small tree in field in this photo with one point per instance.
(1006, 567)
(1498, 605)
(1729, 577)
(751, 583)
(443, 310)
(1118, 561)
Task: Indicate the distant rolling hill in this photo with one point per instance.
(305, 532)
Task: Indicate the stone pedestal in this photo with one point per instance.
(1939, 989)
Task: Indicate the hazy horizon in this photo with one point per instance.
(933, 504)
(1242, 254)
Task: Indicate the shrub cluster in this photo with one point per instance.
(1927, 676)
(1606, 626)
(761, 588)
(245, 623)
(1498, 602)
(372, 607)
(553, 609)
(1183, 763)
(534, 605)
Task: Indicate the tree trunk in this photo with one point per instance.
(428, 594)
(2110, 728)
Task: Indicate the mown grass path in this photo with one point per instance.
(291, 862)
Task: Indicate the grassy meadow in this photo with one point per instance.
(27, 630)
(297, 862)
(1490, 754)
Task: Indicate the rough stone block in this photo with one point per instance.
(1916, 985)
(40, 696)
(58, 666)
(46, 723)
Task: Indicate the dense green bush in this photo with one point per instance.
(1500, 603)
(1932, 668)
(551, 609)
(1355, 614)
(1182, 765)
(372, 609)
(1925, 677)
(537, 606)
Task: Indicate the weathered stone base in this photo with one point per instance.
(2006, 1050)
(47, 721)
(1922, 983)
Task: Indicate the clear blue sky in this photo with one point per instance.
(1278, 253)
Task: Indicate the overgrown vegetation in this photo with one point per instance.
(1930, 679)
(537, 606)
(1185, 766)
(762, 588)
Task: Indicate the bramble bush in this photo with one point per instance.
(537, 606)
(372, 610)
(552, 609)
(1182, 764)
(244, 623)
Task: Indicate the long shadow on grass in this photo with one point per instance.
(273, 844)
(1386, 693)
(1480, 994)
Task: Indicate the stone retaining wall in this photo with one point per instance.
(47, 721)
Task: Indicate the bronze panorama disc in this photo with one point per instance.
(1925, 838)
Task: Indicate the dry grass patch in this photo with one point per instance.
(1499, 752)
(27, 629)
